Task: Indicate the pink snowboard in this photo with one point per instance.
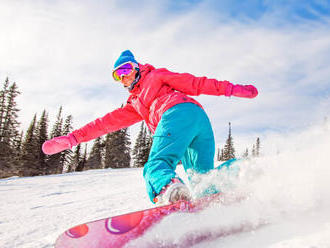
(119, 230)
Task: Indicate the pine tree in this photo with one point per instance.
(3, 96)
(109, 153)
(246, 153)
(41, 137)
(82, 160)
(67, 128)
(66, 155)
(55, 160)
(125, 147)
(254, 151)
(9, 126)
(18, 146)
(11, 123)
(95, 158)
(147, 146)
(229, 150)
(30, 153)
(77, 164)
(257, 147)
(219, 157)
(121, 150)
(58, 126)
(117, 150)
(17, 154)
(222, 158)
(140, 148)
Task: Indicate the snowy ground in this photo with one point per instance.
(287, 205)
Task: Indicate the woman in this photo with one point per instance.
(181, 128)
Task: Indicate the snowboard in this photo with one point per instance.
(117, 231)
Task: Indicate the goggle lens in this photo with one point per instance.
(124, 70)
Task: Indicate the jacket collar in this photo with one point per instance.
(144, 70)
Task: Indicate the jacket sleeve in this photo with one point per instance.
(113, 121)
(191, 85)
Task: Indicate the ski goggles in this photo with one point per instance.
(123, 70)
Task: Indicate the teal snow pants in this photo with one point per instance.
(184, 134)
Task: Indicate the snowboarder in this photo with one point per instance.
(182, 131)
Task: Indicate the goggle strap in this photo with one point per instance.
(135, 65)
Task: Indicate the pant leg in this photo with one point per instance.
(173, 135)
(199, 155)
(199, 158)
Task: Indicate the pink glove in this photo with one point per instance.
(247, 91)
(59, 144)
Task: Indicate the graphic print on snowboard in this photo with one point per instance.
(117, 231)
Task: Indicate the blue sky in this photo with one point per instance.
(284, 11)
(61, 53)
(290, 10)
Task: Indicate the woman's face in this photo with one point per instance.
(128, 79)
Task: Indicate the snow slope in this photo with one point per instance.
(287, 202)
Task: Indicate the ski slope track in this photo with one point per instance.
(286, 201)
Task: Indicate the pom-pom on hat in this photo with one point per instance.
(125, 56)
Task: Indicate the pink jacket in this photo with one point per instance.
(157, 91)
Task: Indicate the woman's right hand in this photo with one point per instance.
(59, 144)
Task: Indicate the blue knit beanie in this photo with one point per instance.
(125, 56)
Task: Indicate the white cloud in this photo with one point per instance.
(61, 53)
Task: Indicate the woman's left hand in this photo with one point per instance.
(247, 91)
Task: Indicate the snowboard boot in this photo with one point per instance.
(175, 191)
